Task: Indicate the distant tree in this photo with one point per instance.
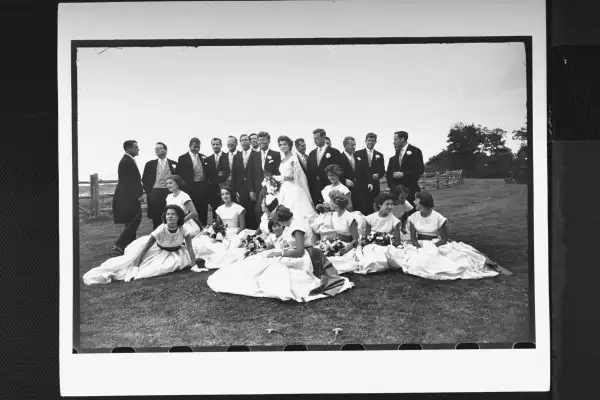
(494, 141)
(464, 145)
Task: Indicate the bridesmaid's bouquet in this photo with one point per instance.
(378, 238)
(332, 247)
(253, 244)
(216, 231)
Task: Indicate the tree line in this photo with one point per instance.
(481, 152)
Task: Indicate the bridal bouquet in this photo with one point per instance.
(216, 231)
(332, 248)
(253, 244)
(378, 238)
(272, 183)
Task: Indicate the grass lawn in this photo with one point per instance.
(390, 307)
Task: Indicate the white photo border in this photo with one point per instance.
(261, 372)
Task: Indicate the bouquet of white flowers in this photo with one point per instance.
(216, 231)
(378, 238)
(332, 247)
(253, 244)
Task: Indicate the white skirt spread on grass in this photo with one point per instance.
(156, 262)
(283, 278)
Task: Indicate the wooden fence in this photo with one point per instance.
(96, 204)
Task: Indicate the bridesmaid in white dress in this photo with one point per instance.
(183, 200)
(294, 192)
(159, 253)
(218, 253)
(431, 254)
(346, 229)
(373, 257)
(285, 272)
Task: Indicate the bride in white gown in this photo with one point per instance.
(293, 192)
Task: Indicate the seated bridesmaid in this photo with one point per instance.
(346, 230)
(159, 253)
(373, 257)
(216, 253)
(401, 209)
(269, 204)
(183, 200)
(431, 254)
(285, 273)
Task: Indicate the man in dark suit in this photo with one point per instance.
(129, 193)
(232, 144)
(350, 175)
(264, 160)
(406, 166)
(217, 172)
(300, 145)
(191, 167)
(318, 160)
(154, 180)
(241, 181)
(372, 168)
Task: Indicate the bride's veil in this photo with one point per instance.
(300, 177)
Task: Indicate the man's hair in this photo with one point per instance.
(265, 135)
(162, 144)
(232, 137)
(327, 138)
(371, 135)
(128, 144)
(252, 134)
(242, 136)
(347, 139)
(216, 138)
(402, 135)
(194, 140)
(321, 132)
(299, 141)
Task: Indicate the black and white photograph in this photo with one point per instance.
(300, 187)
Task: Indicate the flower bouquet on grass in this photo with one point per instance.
(378, 238)
(216, 231)
(253, 244)
(332, 248)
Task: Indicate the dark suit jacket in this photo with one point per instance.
(240, 176)
(302, 165)
(129, 189)
(317, 177)
(365, 175)
(185, 169)
(256, 172)
(212, 171)
(349, 173)
(412, 167)
(149, 176)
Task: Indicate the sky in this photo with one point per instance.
(171, 94)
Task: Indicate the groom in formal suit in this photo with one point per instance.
(371, 164)
(318, 160)
(261, 161)
(191, 167)
(406, 166)
(217, 172)
(241, 181)
(129, 193)
(154, 180)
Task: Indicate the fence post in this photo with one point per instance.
(94, 196)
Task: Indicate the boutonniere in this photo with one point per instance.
(377, 156)
(408, 153)
(173, 166)
(269, 157)
(327, 155)
(358, 158)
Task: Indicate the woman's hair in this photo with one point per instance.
(382, 198)
(334, 169)
(271, 224)
(425, 198)
(339, 199)
(285, 139)
(272, 205)
(178, 210)
(177, 179)
(282, 213)
(398, 190)
(226, 187)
